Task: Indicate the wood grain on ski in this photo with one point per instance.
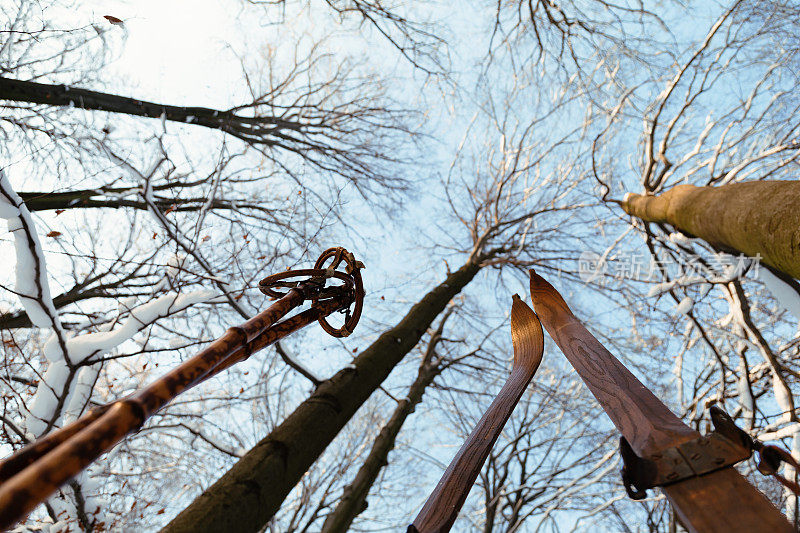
(641, 417)
(444, 503)
(725, 502)
(721, 501)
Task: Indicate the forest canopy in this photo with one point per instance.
(160, 159)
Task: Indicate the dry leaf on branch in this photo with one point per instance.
(114, 20)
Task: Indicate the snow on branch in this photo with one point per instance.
(787, 297)
(32, 287)
(81, 371)
(67, 383)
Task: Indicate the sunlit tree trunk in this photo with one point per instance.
(250, 493)
(756, 218)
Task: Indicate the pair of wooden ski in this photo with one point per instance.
(695, 472)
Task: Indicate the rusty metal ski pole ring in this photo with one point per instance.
(351, 283)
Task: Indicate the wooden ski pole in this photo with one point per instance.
(444, 503)
(35, 472)
(695, 472)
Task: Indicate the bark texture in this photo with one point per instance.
(250, 493)
(754, 218)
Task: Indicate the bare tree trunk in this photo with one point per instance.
(756, 218)
(354, 498)
(250, 493)
(95, 198)
(64, 95)
(491, 513)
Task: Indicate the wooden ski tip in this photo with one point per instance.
(546, 299)
(539, 281)
(527, 335)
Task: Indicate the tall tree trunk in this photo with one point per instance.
(96, 198)
(491, 513)
(250, 493)
(354, 498)
(263, 130)
(756, 218)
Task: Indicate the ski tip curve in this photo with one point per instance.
(547, 301)
(527, 335)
